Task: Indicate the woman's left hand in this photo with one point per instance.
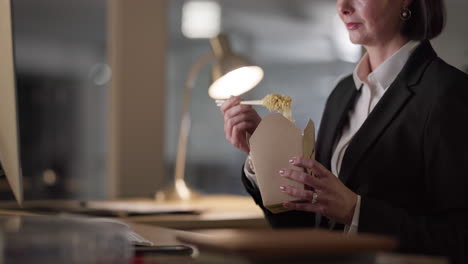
(332, 198)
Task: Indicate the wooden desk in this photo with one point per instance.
(216, 211)
(165, 236)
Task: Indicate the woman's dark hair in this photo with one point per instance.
(427, 20)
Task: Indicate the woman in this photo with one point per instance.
(392, 146)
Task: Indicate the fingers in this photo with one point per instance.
(333, 199)
(237, 110)
(230, 123)
(238, 139)
(318, 169)
(239, 119)
(232, 101)
(306, 195)
(302, 177)
(321, 205)
(300, 206)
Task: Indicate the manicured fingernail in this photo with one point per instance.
(282, 188)
(281, 171)
(292, 160)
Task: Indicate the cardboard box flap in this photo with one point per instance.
(247, 137)
(309, 140)
(272, 144)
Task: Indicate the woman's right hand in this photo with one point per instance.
(239, 119)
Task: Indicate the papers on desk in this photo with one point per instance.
(134, 238)
(63, 239)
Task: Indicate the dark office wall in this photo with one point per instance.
(60, 53)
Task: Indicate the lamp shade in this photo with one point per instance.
(232, 74)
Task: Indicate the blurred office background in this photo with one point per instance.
(65, 72)
(60, 49)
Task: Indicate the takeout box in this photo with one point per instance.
(273, 143)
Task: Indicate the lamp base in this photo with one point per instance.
(177, 192)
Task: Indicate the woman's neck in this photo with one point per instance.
(379, 53)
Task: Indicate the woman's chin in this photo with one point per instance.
(357, 40)
(354, 40)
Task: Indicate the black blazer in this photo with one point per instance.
(408, 161)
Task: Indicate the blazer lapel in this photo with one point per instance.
(386, 110)
(390, 104)
(334, 124)
(330, 128)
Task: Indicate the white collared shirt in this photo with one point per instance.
(373, 85)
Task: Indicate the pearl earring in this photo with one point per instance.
(405, 14)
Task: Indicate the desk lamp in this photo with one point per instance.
(231, 75)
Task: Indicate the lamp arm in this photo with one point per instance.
(185, 120)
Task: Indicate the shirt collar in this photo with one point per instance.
(386, 73)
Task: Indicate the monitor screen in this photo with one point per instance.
(9, 144)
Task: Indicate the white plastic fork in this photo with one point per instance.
(247, 102)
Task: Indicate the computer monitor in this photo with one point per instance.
(9, 139)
